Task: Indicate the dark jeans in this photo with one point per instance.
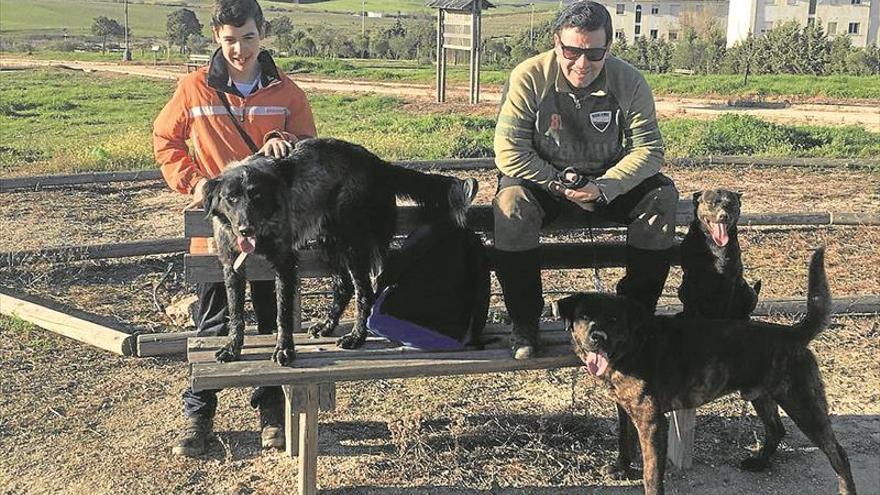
(212, 318)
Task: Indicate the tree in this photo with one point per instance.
(104, 27)
(181, 24)
(280, 26)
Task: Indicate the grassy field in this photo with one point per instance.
(49, 18)
(58, 122)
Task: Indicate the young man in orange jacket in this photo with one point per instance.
(223, 110)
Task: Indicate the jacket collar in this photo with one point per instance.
(219, 79)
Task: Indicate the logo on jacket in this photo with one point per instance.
(600, 120)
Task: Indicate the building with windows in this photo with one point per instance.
(660, 19)
(858, 19)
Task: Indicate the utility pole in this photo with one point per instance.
(126, 54)
(363, 18)
(532, 26)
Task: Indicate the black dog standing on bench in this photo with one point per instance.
(713, 285)
(655, 364)
(335, 192)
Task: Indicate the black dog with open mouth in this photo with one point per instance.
(712, 285)
(656, 364)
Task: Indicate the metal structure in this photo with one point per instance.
(458, 28)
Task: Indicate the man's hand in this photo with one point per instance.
(584, 197)
(276, 148)
(198, 196)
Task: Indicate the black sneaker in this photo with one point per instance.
(271, 425)
(194, 438)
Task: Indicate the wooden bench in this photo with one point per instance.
(195, 61)
(309, 384)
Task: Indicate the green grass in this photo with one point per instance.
(57, 121)
(833, 87)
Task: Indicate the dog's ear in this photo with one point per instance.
(211, 195)
(697, 197)
(564, 308)
(739, 195)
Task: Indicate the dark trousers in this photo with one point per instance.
(211, 322)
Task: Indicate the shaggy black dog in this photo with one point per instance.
(712, 285)
(656, 364)
(334, 192)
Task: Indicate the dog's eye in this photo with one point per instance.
(232, 199)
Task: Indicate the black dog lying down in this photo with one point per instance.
(332, 191)
(712, 285)
(655, 364)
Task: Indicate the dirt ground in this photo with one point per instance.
(865, 114)
(77, 420)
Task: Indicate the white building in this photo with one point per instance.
(858, 19)
(659, 19)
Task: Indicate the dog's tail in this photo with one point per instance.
(440, 196)
(818, 300)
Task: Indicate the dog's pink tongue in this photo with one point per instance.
(597, 363)
(719, 233)
(247, 244)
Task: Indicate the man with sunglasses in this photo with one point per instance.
(577, 132)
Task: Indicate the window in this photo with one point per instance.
(618, 35)
(654, 34)
(621, 9)
(655, 9)
(638, 29)
(832, 28)
(792, 2)
(638, 14)
(770, 2)
(811, 21)
(674, 9)
(855, 2)
(673, 35)
(853, 28)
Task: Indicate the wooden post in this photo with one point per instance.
(308, 442)
(475, 53)
(291, 421)
(441, 59)
(680, 443)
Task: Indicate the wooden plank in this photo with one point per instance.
(327, 396)
(98, 251)
(39, 181)
(291, 422)
(680, 438)
(206, 376)
(481, 219)
(206, 268)
(75, 324)
(261, 350)
(308, 443)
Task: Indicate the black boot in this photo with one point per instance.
(195, 435)
(269, 401)
(645, 277)
(520, 276)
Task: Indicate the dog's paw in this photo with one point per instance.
(618, 473)
(283, 355)
(321, 329)
(754, 464)
(228, 353)
(351, 341)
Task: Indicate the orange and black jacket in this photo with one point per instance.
(276, 108)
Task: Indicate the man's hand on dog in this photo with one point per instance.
(198, 196)
(276, 148)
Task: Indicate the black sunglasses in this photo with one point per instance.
(575, 52)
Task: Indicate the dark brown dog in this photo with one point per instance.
(712, 285)
(656, 364)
